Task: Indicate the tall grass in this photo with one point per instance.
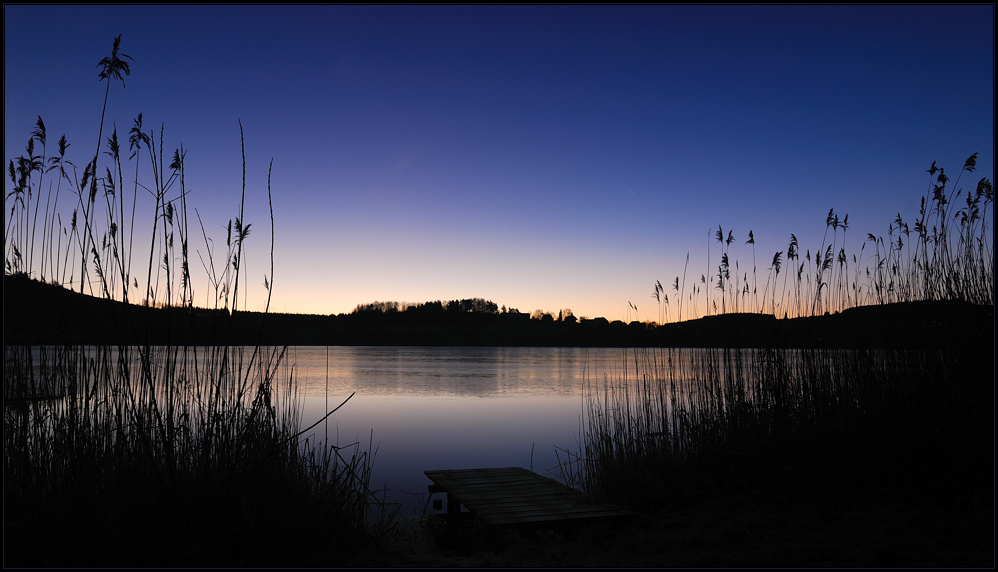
(140, 455)
(175, 456)
(946, 253)
(678, 423)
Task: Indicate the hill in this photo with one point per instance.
(39, 313)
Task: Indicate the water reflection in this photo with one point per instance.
(456, 371)
(425, 408)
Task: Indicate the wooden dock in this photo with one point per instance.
(514, 495)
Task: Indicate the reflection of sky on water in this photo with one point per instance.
(466, 371)
(448, 408)
(412, 434)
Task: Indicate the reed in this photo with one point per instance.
(725, 419)
(174, 456)
(947, 253)
(136, 455)
(679, 424)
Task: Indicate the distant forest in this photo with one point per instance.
(468, 305)
(465, 306)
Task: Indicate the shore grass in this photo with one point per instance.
(793, 422)
(805, 423)
(883, 431)
(176, 457)
(946, 252)
(138, 455)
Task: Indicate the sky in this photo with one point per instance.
(542, 157)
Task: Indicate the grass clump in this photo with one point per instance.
(788, 425)
(784, 457)
(139, 455)
(885, 431)
(680, 424)
(168, 456)
(945, 253)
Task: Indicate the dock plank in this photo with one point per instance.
(512, 495)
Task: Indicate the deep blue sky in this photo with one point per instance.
(541, 157)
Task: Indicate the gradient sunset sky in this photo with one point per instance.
(540, 157)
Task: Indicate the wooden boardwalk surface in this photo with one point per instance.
(514, 495)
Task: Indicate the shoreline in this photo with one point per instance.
(41, 314)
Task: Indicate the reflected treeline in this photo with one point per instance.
(40, 313)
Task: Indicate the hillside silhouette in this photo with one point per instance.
(39, 313)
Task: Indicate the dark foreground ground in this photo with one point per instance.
(892, 531)
(725, 532)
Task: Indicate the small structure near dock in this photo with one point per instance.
(514, 495)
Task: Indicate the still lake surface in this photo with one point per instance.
(429, 408)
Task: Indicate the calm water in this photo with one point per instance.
(424, 408)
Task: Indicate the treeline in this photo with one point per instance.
(465, 306)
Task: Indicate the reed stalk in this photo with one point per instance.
(679, 423)
(948, 254)
(137, 455)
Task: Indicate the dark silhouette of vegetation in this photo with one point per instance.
(947, 254)
(166, 433)
(144, 449)
(905, 418)
(467, 306)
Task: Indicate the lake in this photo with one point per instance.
(427, 408)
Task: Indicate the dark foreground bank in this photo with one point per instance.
(727, 531)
